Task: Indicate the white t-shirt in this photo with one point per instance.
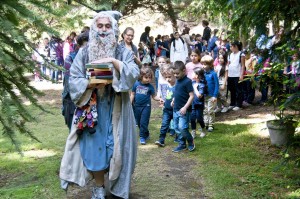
(235, 67)
(218, 70)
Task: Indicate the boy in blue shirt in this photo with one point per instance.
(168, 109)
(182, 101)
(210, 102)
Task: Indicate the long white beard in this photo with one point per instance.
(102, 47)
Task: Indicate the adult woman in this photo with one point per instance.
(128, 36)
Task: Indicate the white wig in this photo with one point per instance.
(113, 16)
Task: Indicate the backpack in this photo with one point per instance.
(174, 42)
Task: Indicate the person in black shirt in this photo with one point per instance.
(145, 36)
(207, 31)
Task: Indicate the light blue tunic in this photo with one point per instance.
(95, 148)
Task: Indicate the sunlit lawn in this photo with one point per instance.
(233, 162)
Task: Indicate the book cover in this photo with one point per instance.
(98, 66)
(98, 69)
(102, 77)
(101, 81)
(99, 73)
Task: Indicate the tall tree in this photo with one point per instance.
(21, 23)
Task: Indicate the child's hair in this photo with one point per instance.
(238, 44)
(208, 60)
(222, 71)
(169, 70)
(161, 57)
(200, 73)
(197, 51)
(179, 65)
(145, 71)
(163, 68)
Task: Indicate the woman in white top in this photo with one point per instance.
(236, 68)
(179, 51)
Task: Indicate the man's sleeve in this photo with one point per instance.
(129, 72)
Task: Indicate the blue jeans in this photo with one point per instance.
(165, 125)
(142, 117)
(197, 114)
(181, 127)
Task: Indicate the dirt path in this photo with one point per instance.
(159, 172)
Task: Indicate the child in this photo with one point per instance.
(200, 89)
(141, 96)
(162, 83)
(168, 109)
(221, 70)
(236, 68)
(210, 101)
(195, 63)
(183, 98)
(198, 44)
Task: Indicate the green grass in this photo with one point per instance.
(34, 176)
(237, 164)
(232, 162)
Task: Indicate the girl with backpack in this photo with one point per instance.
(236, 68)
(179, 51)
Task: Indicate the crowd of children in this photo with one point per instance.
(192, 90)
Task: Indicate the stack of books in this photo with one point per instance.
(99, 73)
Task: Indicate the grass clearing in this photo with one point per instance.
(231, 162)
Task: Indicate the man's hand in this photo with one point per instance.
(222, 87)
(182, 111)
(108, 60)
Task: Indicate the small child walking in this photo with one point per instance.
(168, 109)
(195, 63)
(200, 90)
(182, 101)
(210, 101)
(141, 94)
(222, 71)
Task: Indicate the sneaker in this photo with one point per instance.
(210, 129)
(224, 110)
(236, 108)
(193, 133)
(160, 143)
(192, 146)
(98, 193)
(246, 104)
(142, 141)
(179, 149)
(230, 108)
(217, 110)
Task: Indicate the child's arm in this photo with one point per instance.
(132, 97)
(156, 98)
(196, 91)
(225, 80)
(188, 103)
(216, 90)
(243, 68)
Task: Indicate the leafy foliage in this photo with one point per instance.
(22, 22)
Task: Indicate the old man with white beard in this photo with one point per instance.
(113, 147)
